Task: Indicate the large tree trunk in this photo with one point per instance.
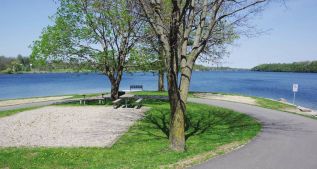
(177, 125)
(115, 83)
(161, 81)
(178, 100)
(178, 107)
(114, 90)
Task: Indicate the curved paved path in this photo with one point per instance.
(287, 141)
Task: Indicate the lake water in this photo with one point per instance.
(263, 84)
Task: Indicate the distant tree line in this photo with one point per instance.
(218, 68)
(308, 67)
(23, 64)
(5, 62)
(14, 64)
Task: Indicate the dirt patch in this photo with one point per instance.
(297, 111)
(69, 126)
(232, 98)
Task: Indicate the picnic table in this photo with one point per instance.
(102, 98)
(126, 98)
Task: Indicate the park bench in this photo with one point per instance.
(136, 87)
(138, 103)
(116, 103)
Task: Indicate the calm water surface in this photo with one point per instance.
(263, 84)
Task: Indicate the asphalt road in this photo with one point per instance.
(287, 141)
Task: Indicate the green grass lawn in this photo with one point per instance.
(271, 104)
(145, 145)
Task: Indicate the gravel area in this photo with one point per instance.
(67, 126)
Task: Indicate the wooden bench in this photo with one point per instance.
(136, 87)
(116, 103)
(138, 103)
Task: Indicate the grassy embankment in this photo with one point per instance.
(262, 102)
(211, 131)
(274, 105)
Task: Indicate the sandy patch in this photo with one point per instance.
(58, 126)
(232, 98)
(297, 111)
(31, 100)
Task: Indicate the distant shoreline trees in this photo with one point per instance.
(14, 64)
(24, 64)
(304, 67)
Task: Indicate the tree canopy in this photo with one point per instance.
(102, 33)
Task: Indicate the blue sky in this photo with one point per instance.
(291, 35)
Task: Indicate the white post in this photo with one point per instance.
(295, 89)
(294, 98)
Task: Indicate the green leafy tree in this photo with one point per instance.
(99, 33)
(189, 30)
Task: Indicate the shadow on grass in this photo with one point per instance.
(198, 124)
(198, 121)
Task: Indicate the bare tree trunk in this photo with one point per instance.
(178, 100)
(115, 83)
(161, 81)
(114, 91)
(177, 125)
(186, 74)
